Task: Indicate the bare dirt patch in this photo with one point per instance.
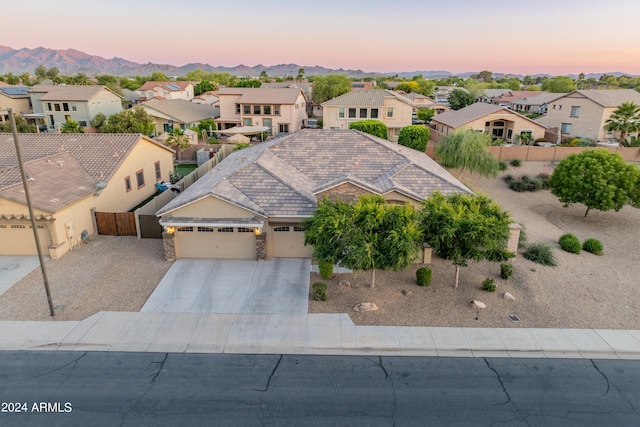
(583, 291)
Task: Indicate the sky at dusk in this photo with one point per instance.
(545, 36)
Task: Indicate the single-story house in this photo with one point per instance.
(70, 177)
(168, 114)
(499, 122)
(254, 203)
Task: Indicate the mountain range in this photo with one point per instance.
(71, 62)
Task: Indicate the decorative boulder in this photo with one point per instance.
(508, 296)
(365, 306)
(344, 284)
(478, 304)
(407, 293)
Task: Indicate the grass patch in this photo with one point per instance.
(184, 169)
(540, 253)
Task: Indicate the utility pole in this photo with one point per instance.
(31, 216)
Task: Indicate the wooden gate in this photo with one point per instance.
(116, 223)
(150, 228)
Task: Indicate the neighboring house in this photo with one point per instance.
(70, 177)
(16, 98)
(165, 90)
(422, 101)
(254, 203)
(583, 113)
(507, 98)
(363, 85)
(168, 114)
(442, 93)
(307, 88)
(130, 97)
(488, 95)
(499, 122)
(282, 110)
(210, 98)
(57, 104)
(387, 106)
(534, 103)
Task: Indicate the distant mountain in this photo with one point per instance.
(71, 62)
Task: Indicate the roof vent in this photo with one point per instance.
(101, 185)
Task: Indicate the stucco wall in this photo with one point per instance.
(588, 124)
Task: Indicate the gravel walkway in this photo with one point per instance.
(107, 273)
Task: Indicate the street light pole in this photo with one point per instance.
(31, 216)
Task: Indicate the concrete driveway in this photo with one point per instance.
(14, 267)
(276, 286)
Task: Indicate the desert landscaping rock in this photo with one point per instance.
(508, 296)
(478, 305)
(365, 306)
(407, 293)
(344, 284)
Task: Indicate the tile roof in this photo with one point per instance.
(169, 86)
(513, 95)
(69, 93)
(284, 176)
(181, 110)
(287, 95)
(366, 98)
(457, 118)
(539, 99)
(65, 167)
(610, 97)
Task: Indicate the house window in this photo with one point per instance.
(341, 113)
(140, 178)
(225, 230)
(237, 108)
(298, 229)
(276, 110)
(374, 113)
(245, 230)
(498, 124)
(256, 109)
(18, 226)
(56, 107)
(205, 229)
(3, 226)
(82, 123)
(267, 123)
(247, 122)
(185, 229)
(389, 112)
(279, 229)
(127, 183)
(48, 106)
(158, 173)
(575, 111)
(363, 113)
(74, 107)
(283, 128)
(566, 128)
(67, 117)
(246, 109)
(266, 110)
(65, 106)
(352, 113)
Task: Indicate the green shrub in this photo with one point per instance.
(508, 178)
(518, 186)
(540, 253)
(506, 270)
(319, 291)
(544, 178)
(487, 285)
(423, 276)
(516, 163)
(570, 243)
(502, 165)
(593, 245)
(372, 127)
(414, 136)
(325, 269)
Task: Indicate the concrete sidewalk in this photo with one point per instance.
(307, 334)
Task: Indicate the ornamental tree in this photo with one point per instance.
(465, 227)
(467, 150)
(372, 127)
(460, 98)
(597, 179)
(414, 136)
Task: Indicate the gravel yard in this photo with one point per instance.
(583, 291)
(106, 274)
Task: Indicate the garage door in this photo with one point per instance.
(210, 242)
(288, 242)
(17, 239)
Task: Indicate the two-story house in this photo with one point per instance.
(58, 104)
(16, 98)
(165, 90)
(583, 113)
(387, 106)
(282, 110)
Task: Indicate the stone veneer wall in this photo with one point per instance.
(169, 245)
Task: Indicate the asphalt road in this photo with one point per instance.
(138, 389)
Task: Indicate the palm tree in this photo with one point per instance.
(71, 126)
(625, 119)
(178, 139)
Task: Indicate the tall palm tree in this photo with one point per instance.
(625, 119)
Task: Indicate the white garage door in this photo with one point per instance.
(288, 242)
(210, 242)
(17, 239)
